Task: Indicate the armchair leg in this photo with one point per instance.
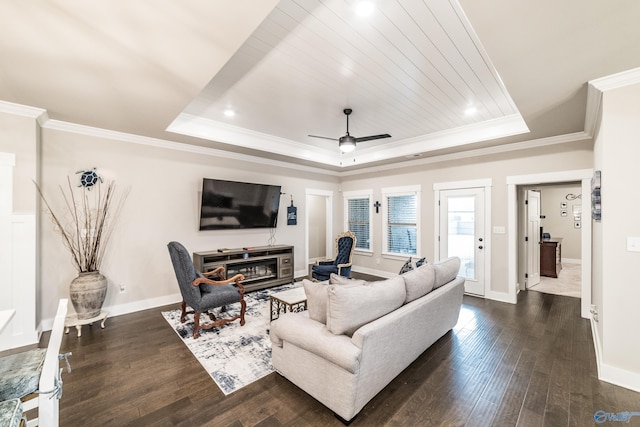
(184, 312)
(243, 308)
(196, 325)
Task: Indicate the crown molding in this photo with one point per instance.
(171, 145)
(516, 146)
(211, 130)
(22, 110)
(597, 87)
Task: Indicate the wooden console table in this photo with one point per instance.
(72, 320)
(551, 257)
(261, 266)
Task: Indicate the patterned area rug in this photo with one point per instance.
(233, 355)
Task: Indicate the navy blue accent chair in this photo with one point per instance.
(345, 244)
(202, 294)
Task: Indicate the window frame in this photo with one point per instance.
(414, 190)
(360, 194)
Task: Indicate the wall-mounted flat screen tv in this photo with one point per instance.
(233, 205)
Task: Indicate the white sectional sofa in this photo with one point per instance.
(356, 337)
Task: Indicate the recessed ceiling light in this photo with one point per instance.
(229, 113)
(470, 111)
(364, 8)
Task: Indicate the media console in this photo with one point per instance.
(261, 266)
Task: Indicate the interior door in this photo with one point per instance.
(462, 234)
(533, 238)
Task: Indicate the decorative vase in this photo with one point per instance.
(87, 292)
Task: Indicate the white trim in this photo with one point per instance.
(583, 175)
(21, 110)
(612, 374)
(506, 148)
(170, 145)
(618, 80)
(404, 190)
(358, 194)
(132, 307)
(7, 159)
(496, 296)
(455, 185)
(486, 184)
(571, 261)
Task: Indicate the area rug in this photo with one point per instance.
(233, 355)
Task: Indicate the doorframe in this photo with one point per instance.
(461, 185)
(328, 194)
(582, 175)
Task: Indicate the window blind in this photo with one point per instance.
(358, 218)
(402, 214)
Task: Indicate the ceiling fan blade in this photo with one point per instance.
(323, 137)
(372, 137)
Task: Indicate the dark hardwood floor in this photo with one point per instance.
(528, 364)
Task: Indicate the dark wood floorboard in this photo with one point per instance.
(530, 364)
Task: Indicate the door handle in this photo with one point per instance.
(480, 239)
(480, 247)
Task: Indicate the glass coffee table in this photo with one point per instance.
(293, 301)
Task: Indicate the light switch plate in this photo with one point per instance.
(498, 230)
(633, 244)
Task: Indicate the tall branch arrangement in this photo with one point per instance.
(86, 221)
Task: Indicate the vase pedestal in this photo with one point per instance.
(72, 320)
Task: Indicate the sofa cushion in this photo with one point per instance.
(446, 270)
(419, 282)
(351, 307)
(317, 297)
(336, 279)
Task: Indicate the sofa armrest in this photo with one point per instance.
(297, 329)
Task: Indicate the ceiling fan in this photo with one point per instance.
(347, 143)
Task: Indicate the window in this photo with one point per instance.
(358, 217)
(401, 225)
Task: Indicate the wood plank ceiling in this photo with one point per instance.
(413, 68)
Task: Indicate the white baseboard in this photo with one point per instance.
(499, 296)
(132, 307)
(571, 261)
(612, 374)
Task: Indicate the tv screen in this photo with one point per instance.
(232, 205)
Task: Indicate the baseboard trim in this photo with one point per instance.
(571, 261)
(500, 296)
(612, 374)
(132, 307)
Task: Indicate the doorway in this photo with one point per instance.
(318, 225)
(516, 253)
(462, 230)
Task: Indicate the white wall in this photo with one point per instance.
(563, 226)
(497, 167)
(616, 287)
(163, 205)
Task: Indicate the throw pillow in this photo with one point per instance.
(316, 300)
(446, 271)
(406, 267)
(336, 279)
(420, 262)
(419, 282)
(349, 308)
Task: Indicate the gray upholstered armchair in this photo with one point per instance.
(345, 244)
(203, 294)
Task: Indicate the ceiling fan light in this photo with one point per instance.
(347, 145)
